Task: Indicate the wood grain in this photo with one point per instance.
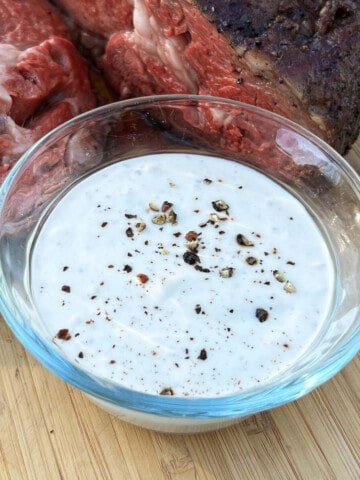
(50, 431)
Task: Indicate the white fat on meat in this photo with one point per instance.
(149, 39)
(9, 56)
(21, 139)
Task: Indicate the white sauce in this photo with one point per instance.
(183, 331)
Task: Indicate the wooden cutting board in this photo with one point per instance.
(49, 431)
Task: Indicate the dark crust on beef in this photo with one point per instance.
(312, 45)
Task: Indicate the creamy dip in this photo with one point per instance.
(181, 274)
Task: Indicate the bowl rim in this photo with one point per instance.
(264, 397)
(164, 98)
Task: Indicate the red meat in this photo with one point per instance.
(297, 58)
(43, 79)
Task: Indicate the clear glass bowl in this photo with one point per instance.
(284, 151)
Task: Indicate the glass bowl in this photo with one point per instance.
(277, 149)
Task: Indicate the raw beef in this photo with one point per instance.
(43, 79)
(297, 58)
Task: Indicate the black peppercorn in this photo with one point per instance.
(261, 314)
(191, 258)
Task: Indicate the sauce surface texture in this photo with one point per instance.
(181, 274)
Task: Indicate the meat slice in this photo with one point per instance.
(43, 79)
(100, 18)
(30, 22)
(297, 58)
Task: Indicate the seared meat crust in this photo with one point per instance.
(313, 46)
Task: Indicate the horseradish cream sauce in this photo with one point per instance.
(181, 274)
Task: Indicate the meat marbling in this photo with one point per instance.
(43, 79)
(297, 58)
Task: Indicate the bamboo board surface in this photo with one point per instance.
(49, 431)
